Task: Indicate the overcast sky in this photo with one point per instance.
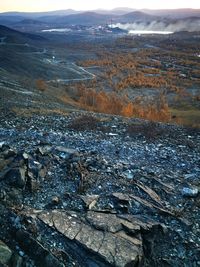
(45, 5)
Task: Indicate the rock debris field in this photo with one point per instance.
(98, 190)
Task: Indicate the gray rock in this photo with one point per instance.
(55, 200)
(34, 185)
(190, 191)
(25, 155)
(66, 153)
(42, 172)
(103, 235)
(90, 200)
(33, 168)
(9, 153)
(5, 253)
(45, 150)
(128, 174)
(2, 144)
(14, 196)
(16, 177)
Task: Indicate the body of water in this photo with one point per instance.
(148, 32)
(57, 30)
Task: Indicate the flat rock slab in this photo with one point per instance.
(117, 240)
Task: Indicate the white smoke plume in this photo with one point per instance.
(190, 24)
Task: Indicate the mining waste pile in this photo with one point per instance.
(98, 190)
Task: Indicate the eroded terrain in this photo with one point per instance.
(79, 190)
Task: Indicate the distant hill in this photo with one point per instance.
(20, 52)
(137, 16)
(29, 25)
(174, 13)
(10, 20)
(93, 18)
(39, 14)
(116, 11)
(85, 18)
(122, 10)
(31, 22)
(13, 36)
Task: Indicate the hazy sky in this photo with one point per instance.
(44, 5)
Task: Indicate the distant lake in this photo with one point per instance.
(57, 30)
(148, 32)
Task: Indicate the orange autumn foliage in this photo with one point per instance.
(157, 109)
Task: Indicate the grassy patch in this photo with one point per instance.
(150, 130)
(85, 122)
(190, 117)
(38, 111)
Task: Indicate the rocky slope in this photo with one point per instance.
(97, 190)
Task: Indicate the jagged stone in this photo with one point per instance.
(66, 153)
(5, 253)
(33, 168)
(4, 146)
(90, 200)
(14, 196)
(25, 156)
(16, 177)
(3, 165)
(190, 192)
(42, 172)
(55, 200)
(103, 235)
(44, 150)
(9, 153)
(150, 192)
